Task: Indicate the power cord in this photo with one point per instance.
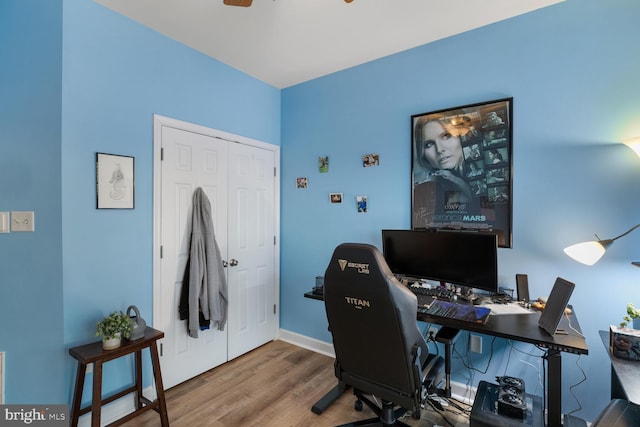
(437, 407)
(471, 368)
(526, 353)
(566, 315)
(584, 378)
(429, 336)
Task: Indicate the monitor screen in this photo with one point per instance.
(460, 258)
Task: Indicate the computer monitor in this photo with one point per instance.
(461, 258)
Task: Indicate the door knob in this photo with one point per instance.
(233, 262)
(224, 263)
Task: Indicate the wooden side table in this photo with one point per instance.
(93, 353)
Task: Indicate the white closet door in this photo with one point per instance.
(191, 160)
(253, 317)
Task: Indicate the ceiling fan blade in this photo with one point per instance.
(243, 3)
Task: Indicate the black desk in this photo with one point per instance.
(625, 375)
(523, 328)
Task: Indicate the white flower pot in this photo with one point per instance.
(111, 343)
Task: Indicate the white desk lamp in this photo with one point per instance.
(590, 252)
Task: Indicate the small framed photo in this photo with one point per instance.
(114, 181)
(624, 342)
(361, 203)
(335, 197)
(302, 182)
(323, 164)
(369, 160)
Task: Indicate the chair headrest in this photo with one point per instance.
(358, 259)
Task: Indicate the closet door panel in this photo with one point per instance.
(191, 160)
(252, 287)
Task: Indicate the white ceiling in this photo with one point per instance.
(285, 42)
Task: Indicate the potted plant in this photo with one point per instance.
(113, 328)
(632, 314)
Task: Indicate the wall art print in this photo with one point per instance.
(114, 181)
(462, 169)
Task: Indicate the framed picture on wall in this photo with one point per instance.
(462, 169)
(114, 181)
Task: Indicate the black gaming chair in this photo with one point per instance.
(379, 348)
(618, 413)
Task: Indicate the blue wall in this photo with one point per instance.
(78, 78)
(572, 70)
(116, 75)
(31, 329)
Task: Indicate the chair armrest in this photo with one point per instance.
(618, 413)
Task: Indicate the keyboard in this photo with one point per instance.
(438, 292)
(437, 302)
(454, 310)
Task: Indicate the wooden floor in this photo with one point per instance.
(273, 386)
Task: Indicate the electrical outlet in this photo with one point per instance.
(475, 343)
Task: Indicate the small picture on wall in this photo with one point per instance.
(361, 203)
(302, 182)
(323, 164)
(369, 160)
(335, 197)
(114, 181)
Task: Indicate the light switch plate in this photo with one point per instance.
(4, 222)
(22, 221)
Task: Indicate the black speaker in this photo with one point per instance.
(522, 287)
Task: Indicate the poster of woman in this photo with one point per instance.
(462, 169)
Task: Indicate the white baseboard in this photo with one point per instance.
(463, 393)
(308, 343)
(117, 409)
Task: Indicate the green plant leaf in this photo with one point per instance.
(114, 323)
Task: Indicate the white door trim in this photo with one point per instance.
(158, 122)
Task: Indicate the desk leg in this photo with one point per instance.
(554, 389)
(77, 393)
(138, 357)
(157, 376)
(331, 396)
(96, 397)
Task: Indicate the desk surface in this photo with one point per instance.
(518, 327)
(627, 371)
(524, 328)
